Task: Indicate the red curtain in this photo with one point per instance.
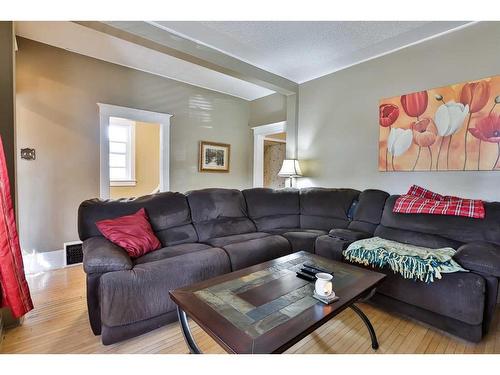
(15, 291)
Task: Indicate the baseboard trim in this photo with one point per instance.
(44, 261)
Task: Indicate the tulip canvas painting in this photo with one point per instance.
(452, 128)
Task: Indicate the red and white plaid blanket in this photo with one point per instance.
(422, 201)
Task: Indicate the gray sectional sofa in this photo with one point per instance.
(214, 231)
(461, 303)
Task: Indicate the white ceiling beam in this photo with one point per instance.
(88, 42)
(155, 37)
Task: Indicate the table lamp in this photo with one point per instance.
(290, 169)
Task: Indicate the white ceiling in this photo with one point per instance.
(303, 50)
(88, 42)
(299, 51)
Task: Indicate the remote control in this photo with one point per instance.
(309, 271)
(305, 276)
(317, 268)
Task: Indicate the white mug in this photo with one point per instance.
(323, 286)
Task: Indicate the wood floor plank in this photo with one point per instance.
(431, 349)
(480, 348)
(412, 341)
(364, 340)
(495, 333)
(357, 332)
(335, 335)
(450, 349)
(460, 349)
(392, 323)
(59, 324)
(398, 336)
(424, 344)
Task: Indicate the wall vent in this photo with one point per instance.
(73, 252)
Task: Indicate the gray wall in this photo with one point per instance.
(7, 113)
(338, 114)
(268, 110)
(57, 114)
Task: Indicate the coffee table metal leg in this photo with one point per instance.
(368, 324)
(186, 332)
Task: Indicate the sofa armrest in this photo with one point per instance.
(142, 293)
(101, 255)
(349, 235)
(330, 247)
(482, 257)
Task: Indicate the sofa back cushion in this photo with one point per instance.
(219, 213)
(368, 211)
(273, 209)
(322, 208)
(456, 228)
(168, 214)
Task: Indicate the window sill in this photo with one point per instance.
(123, 183)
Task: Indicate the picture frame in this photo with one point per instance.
(449, 128)
(214, 157)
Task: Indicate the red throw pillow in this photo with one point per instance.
(132, 232)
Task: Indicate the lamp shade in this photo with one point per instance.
(290, 168)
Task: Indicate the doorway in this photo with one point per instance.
(267, 164)
(134, 151)
(274, 154)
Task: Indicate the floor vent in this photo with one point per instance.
(74, 253)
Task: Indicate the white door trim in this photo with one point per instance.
(259, 135)
(274, 140)
(108, 110)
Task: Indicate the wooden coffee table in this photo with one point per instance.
(266, 308)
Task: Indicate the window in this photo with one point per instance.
(121, 134)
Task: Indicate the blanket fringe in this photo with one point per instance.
(410, 267)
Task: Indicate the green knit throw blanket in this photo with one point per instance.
(411, 262)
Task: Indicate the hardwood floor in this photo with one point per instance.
(59, 325)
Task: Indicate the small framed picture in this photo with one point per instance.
(214, 157)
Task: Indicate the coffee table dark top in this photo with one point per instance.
(266, 308)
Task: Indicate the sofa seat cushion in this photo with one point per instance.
(348, 234)
(251, 252)
(171, 251)
(482, 257)
(459, 295)
(285, 230)
(303, 239)
(227, 240)
(330, 247)
(142, 293)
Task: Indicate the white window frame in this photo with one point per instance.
(129, 154)
(108, 110)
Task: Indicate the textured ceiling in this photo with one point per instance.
(301, 51)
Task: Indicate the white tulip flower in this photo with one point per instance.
(399, 141)
(450, 117)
